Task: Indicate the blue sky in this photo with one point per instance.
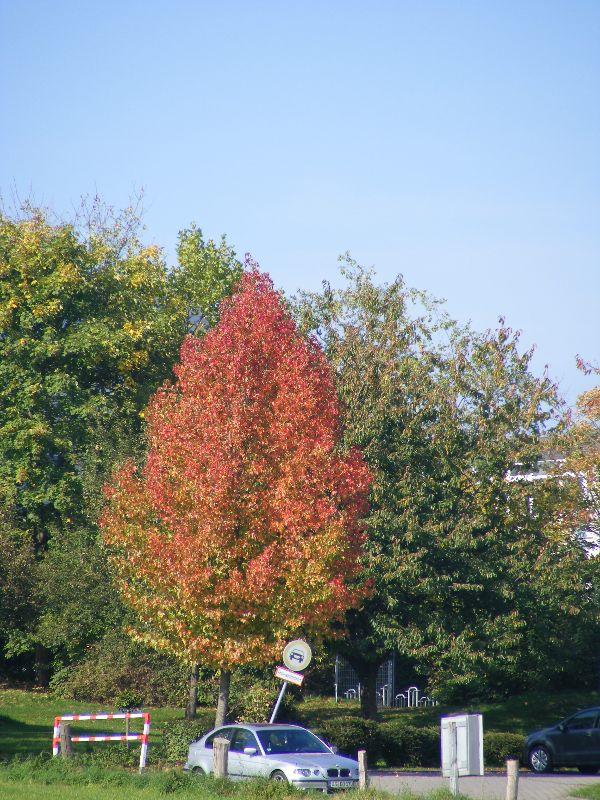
(456, 142)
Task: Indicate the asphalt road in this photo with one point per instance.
(488, 787)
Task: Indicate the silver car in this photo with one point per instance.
(286, 753)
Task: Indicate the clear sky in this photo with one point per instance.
(456, 142)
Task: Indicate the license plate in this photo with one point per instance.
(342, 784)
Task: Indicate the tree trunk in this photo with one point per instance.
(192, 704)
(367, 675)
(42, 665)
(223, 701)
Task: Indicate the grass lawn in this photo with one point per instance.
(27, 718)
(41, 791)
(56, 779)
(590, 792)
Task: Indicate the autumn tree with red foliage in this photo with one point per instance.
(243, 527)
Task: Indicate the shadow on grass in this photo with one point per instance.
(20, 738)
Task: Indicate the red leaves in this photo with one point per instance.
(243, 527)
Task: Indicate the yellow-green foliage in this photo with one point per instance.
(90, 325)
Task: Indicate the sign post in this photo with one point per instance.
(453, 760)
(296, 656)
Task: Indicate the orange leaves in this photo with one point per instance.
(243, 527)
(589, 404)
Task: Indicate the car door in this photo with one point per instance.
(595, 743)
(207, 755)
(577, 743)
(240, 764)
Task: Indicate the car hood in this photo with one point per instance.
(323, 760)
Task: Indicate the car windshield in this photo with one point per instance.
(290, 740)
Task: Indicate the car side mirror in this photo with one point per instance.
(562, 727)
(334, 749)
(250, 751)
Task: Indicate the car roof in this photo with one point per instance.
(582, 710)
(257, 726)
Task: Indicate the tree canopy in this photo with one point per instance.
(90, 326)
(582, 448)
(243, 526)
(457, 558)
(363, 474)
(91, 321)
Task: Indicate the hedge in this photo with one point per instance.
(350, 734)
(397, 742)
(178, 735)
(401, 744)
(498, 747)
(404, 745)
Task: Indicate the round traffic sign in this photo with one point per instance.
(297, 655)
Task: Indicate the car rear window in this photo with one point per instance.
(583, 721)
(243, 738)
(222, 733)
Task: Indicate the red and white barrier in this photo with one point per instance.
(108, 737)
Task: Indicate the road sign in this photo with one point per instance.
(289, 675)
(297, 655)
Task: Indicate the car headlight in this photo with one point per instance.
(304, 772)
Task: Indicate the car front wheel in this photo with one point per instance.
(540, 759)
(279, 776)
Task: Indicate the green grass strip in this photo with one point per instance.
(60, 779)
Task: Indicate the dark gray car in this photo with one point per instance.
(574, 742)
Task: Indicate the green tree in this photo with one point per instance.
(441, 414)
(91, 321)
(18, 595)
(207, 273)
(73, 583)
(582, 448)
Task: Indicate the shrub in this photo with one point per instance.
(253, 695)
(115, 667)
(497, 747)
(350, 734)
(255, 705)
(129, 701)
(178, 735)
(405, 745)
